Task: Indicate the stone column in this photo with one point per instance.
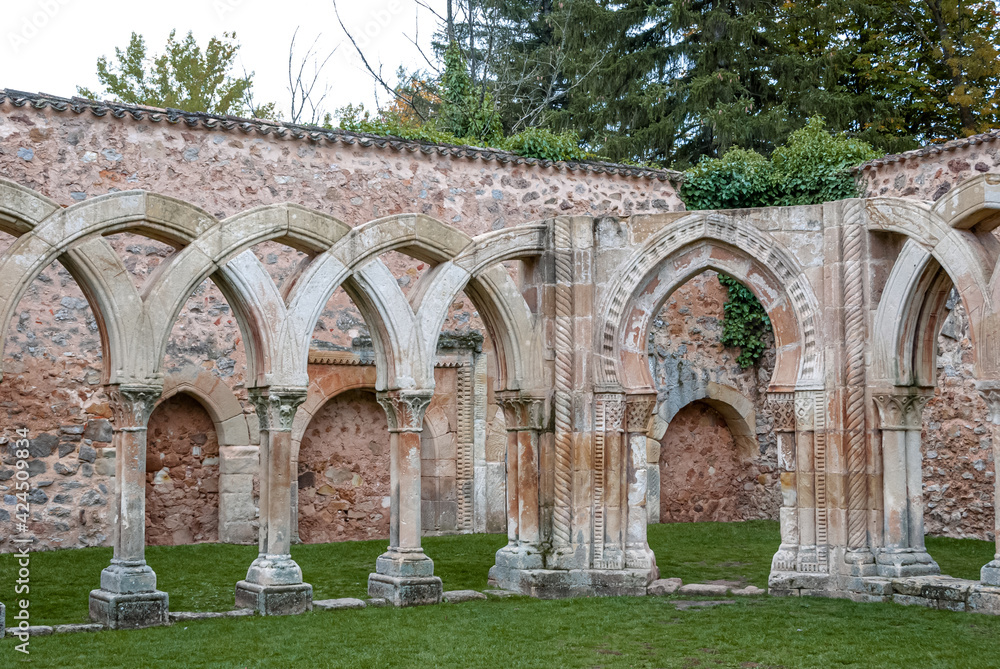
(807, 557)
(902, 552)
(128, 597)
(273, 585)
(638, 409)
(990, 391)
(404, 575)
(237, 466)
(526, 416)
(609, 411)
(782, 407)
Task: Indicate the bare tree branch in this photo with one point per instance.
(377, 76)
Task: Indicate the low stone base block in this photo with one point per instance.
(274, 600)
(559, 583)
(120, 611)
(905, 564)
(3, 619)
(405, 590)
(990, 573)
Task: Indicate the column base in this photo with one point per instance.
(274, 600)
(560, 583)
(786, 558)
(124, 611)
(406, 590)
(903, 563)
(520, 557)
(641, 558)
(405, 578)
(990, 573)
(274, 570)
(861, 562)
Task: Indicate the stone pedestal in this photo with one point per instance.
(560, 583)
(120, 611)
(905, 562)
(990, 573)
(405, 579)
(274, 600)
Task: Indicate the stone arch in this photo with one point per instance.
(736, 408)
(968, 256)
(477, 271)
(908, 319)
(232, 426)
(684, 249)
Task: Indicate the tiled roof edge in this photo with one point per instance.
(929, 150)
(314, 133)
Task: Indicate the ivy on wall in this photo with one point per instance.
(744, 322)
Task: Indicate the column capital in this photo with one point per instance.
(805, 409)
(613, 407)
(782, 406)
(405, 409)
(132, 404)
(276, 405)
(901, 408)
(638, 410)
(524, 409)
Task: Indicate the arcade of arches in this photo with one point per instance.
(557, 423)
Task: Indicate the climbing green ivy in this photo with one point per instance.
(744, 323)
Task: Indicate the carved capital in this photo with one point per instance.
(638, 411)
(524, 410)
(900, 408)
(782, 407)
(805, 411)
(405, 409)
(612, 407)
(132, 404)
(276, 406)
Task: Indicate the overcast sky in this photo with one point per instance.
(52, 46)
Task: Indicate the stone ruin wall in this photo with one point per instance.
(52, 383)
(958, 456)
(52, 380)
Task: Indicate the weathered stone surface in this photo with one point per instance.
(180, 616)
(459, 596)
(129, 611)
(342, 603)
(31, 630)
(71, 629)
(664, 586)
(703, 590)
(749, 590)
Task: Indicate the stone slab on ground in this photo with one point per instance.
(749, 590)
(32, 630)
(179, 616)
(341, 603)
(684, 605)
(69, 629)
(664, 586)
(377, 602)
(501, 594)
(459, 596)
(703, 589)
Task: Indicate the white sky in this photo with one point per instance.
(52, 46)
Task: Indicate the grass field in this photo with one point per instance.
(519, 632)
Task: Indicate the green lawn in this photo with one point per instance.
(521, 632)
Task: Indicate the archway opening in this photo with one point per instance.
(343, 471)
(182, 474)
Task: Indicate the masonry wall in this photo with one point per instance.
(703, 475)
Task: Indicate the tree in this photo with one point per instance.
(184, 77)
